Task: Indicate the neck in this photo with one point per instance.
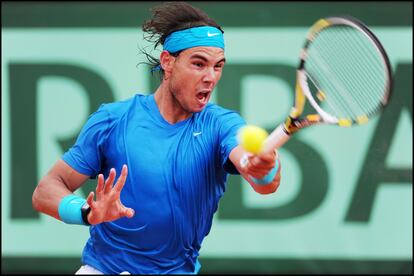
(169, 107)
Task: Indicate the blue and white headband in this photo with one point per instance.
(193, 37)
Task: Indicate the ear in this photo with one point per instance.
(166, 61)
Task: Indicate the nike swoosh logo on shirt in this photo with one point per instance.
(196, 133)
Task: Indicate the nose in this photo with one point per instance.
(210, 75)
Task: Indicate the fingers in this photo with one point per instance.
(109, 181)
(258, 173)
(258, 162)
(267, 157)
(99, 187)
(121, 180)
(89, 199)
(260, 165)
(128, 212)
(105, 187)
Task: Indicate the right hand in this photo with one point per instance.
(259, 165)
(108, 206)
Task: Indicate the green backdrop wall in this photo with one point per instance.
(345, 201)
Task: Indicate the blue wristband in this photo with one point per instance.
(70, 209)
(268, 177)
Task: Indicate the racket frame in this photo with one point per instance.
(293, 123)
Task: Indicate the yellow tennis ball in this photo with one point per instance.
(252, 138)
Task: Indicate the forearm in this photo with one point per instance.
(48, 194)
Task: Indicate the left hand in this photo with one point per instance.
(108, 206)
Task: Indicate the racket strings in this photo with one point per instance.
(341, 105)
(344, 64)
(352, 83)
(343, 86)
(331, 103)
(349, 55)
(364, 51)
(376, 67)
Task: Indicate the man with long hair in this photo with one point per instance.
(174, 150)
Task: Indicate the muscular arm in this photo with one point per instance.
(59, 182)
(258, 167)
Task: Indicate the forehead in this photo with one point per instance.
(209, 53)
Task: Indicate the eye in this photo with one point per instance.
(219, 66)
(198, 64)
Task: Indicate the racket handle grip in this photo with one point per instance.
(276, 139)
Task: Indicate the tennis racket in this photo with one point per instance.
(344, 74)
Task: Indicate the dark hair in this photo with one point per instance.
(167, 18)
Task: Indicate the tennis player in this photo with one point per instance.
(162, 160)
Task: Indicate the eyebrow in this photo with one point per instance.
(205, 59)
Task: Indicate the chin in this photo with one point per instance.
(199, 108)
(196, 110)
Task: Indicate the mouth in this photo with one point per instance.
(203, 96)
